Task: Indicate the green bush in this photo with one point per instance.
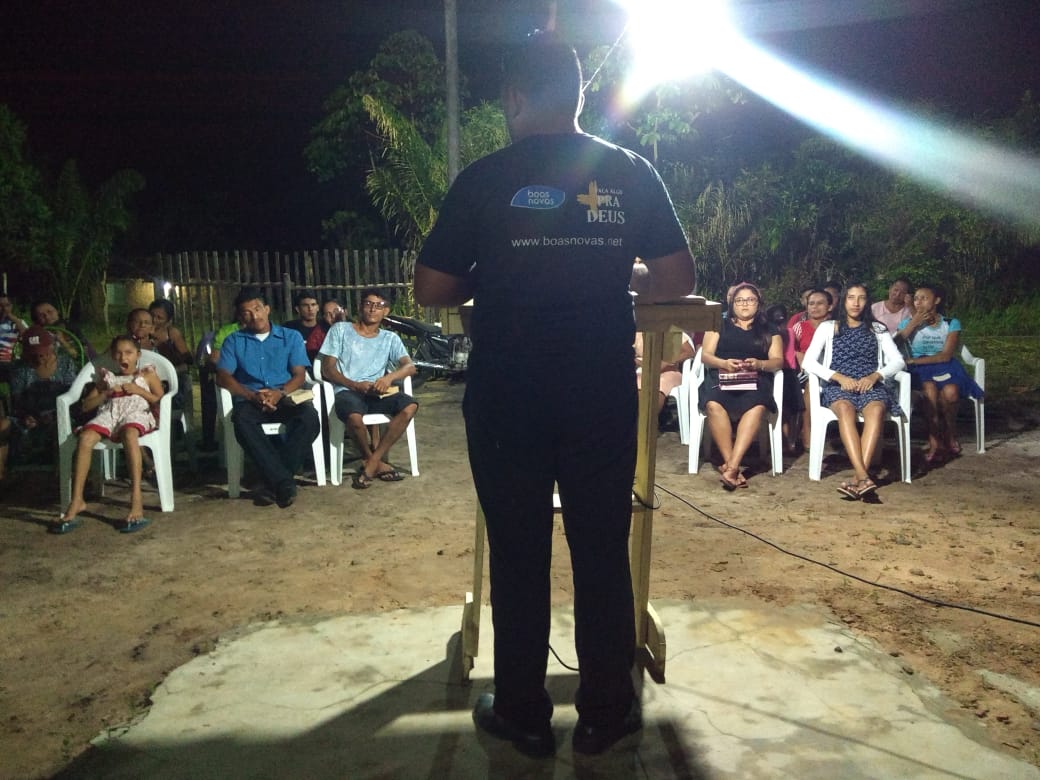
(1009, 339)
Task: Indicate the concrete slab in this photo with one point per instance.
(750, 693)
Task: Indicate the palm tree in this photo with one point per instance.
(409, 179)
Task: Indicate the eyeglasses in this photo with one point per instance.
(373, 305)
(744, 301)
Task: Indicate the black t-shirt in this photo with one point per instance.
(549, 228)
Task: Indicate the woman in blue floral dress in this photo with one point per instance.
(853, 358)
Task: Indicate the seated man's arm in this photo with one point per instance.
(405, 367)
(227, 380)
(226, 367)
(299, 374)
(437, 288)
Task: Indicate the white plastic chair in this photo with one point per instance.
(693, 377)
(821, 416)
(681, 394)
(158, 441)
(233, 455)
(978, 370)
(338, 429)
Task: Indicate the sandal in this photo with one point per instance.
(955, 449)
(393, 475)
(727, 483)
(848, 489)
(63, 526)
(361, 481)
(935, 457)
(133, 525)
(865, 487)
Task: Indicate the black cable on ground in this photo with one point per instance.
(836, 570)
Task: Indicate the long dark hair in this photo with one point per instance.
(760, 326)
(867, 318)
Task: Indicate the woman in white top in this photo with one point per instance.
(854, 356)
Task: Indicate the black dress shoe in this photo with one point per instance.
(593, 740)
(285, 495)
(537, 743)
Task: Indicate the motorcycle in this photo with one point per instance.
(433, 353)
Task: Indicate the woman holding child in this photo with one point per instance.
(853, 357)
(747, 343)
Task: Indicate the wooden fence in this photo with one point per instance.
(203, 285)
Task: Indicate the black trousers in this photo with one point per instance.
(208, 403)
(277, 459)
(516, 457)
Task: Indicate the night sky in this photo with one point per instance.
(213, 102)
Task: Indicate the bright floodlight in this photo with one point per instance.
(673, 39)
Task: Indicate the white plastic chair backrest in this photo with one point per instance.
(163, 367)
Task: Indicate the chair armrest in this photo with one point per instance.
(225, 400)
(65, 401)
(980, 372)
(778, 390)
(328, 395)
(64, 414)
(692, 377)
(814, 391)
(902, 379)
(978, 366)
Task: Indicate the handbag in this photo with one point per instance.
(738, 380)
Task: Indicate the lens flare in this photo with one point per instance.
(673, 40)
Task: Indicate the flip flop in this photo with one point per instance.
(361, 481)
(727, 483)
(849, 492)
(63, 526)
(865, 487)
(848, 489)
(134, 525)
(393, 475)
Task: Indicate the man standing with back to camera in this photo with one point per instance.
(542, 235)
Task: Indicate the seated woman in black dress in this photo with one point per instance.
(747, 342)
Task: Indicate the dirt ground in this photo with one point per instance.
(93, 621)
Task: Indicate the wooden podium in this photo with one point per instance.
(691, 314)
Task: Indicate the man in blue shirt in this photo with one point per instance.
(260, 365)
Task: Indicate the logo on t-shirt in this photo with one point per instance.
(604, 204)
(538, 196)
